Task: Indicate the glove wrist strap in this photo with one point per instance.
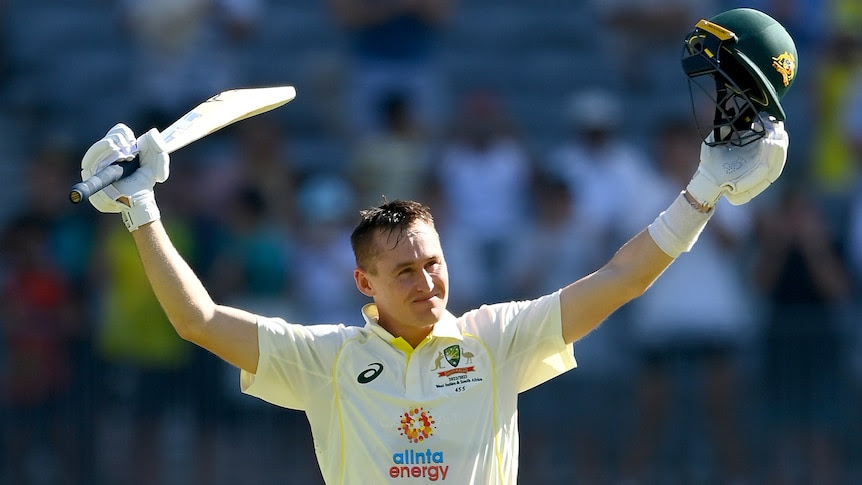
(704, 190)
(142, 210)
(676, 229)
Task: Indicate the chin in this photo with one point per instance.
(437, 312)
(438, 308)
(433, 311)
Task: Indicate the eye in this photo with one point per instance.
(407, 270)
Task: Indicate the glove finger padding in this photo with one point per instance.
(117, 144)
(770, 159)
(154, 167)
(779, 141)
(154, 157)
(745, 183)
(743, 172)
(740, 198)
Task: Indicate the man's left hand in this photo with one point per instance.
(740, 172)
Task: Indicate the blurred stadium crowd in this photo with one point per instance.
(543, 134)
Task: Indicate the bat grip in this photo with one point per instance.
(103, 178)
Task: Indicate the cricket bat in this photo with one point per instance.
(213, 114)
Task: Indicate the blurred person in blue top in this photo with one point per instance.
(393, 46)
(185, 51)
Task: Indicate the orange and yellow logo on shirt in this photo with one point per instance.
(417, 425)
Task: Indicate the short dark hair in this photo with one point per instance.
(392, 217)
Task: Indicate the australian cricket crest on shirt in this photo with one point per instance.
(453, 355)
(460, 369)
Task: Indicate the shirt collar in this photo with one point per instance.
(445, 327)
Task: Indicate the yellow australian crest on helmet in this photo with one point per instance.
(785, 64)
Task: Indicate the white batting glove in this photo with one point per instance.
(138, 187)
(740, 173)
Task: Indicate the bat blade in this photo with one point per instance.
(224, 109)
(215, 113)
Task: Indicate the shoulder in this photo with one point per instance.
(498, 315)
(332, 333)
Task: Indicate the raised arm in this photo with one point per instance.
(738, 173)
(227, 332)
(589, 301)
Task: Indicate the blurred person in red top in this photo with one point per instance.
(38, 330)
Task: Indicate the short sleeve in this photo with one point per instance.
(526, 338)
(295, 362)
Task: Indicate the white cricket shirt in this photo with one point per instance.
(446, 411)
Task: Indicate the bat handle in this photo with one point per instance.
(103, 178)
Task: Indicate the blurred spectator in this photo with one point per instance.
(394, 47)
(50, 172)
(484, 177)
(65, 246)
(853, 140)
(803, 279)
(688, 337)
(4, 54)
(599, 165)
(145, 361)
(645, 40)
(251, 266)
(394, 162)
(853, 248)
(253, 154)
(326, 292)
(184, 52)
(41, 323)
(837, 74)
(542, 265)
(256, 257)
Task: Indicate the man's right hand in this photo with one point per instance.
(131, 196)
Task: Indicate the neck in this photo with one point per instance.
(412, 335)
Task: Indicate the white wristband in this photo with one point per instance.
(142, 210)
(676, 229)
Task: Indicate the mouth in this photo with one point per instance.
(427, 298)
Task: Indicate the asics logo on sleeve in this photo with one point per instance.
(368, 375)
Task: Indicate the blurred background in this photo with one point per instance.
(542, 134)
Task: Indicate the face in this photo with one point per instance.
(409, 282)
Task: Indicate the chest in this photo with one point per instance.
(439, 370)
(442, 395)
(431, 413)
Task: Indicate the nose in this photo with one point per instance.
(425, 282)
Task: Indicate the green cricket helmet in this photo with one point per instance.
(745, 62)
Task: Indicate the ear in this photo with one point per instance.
(362, 282)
